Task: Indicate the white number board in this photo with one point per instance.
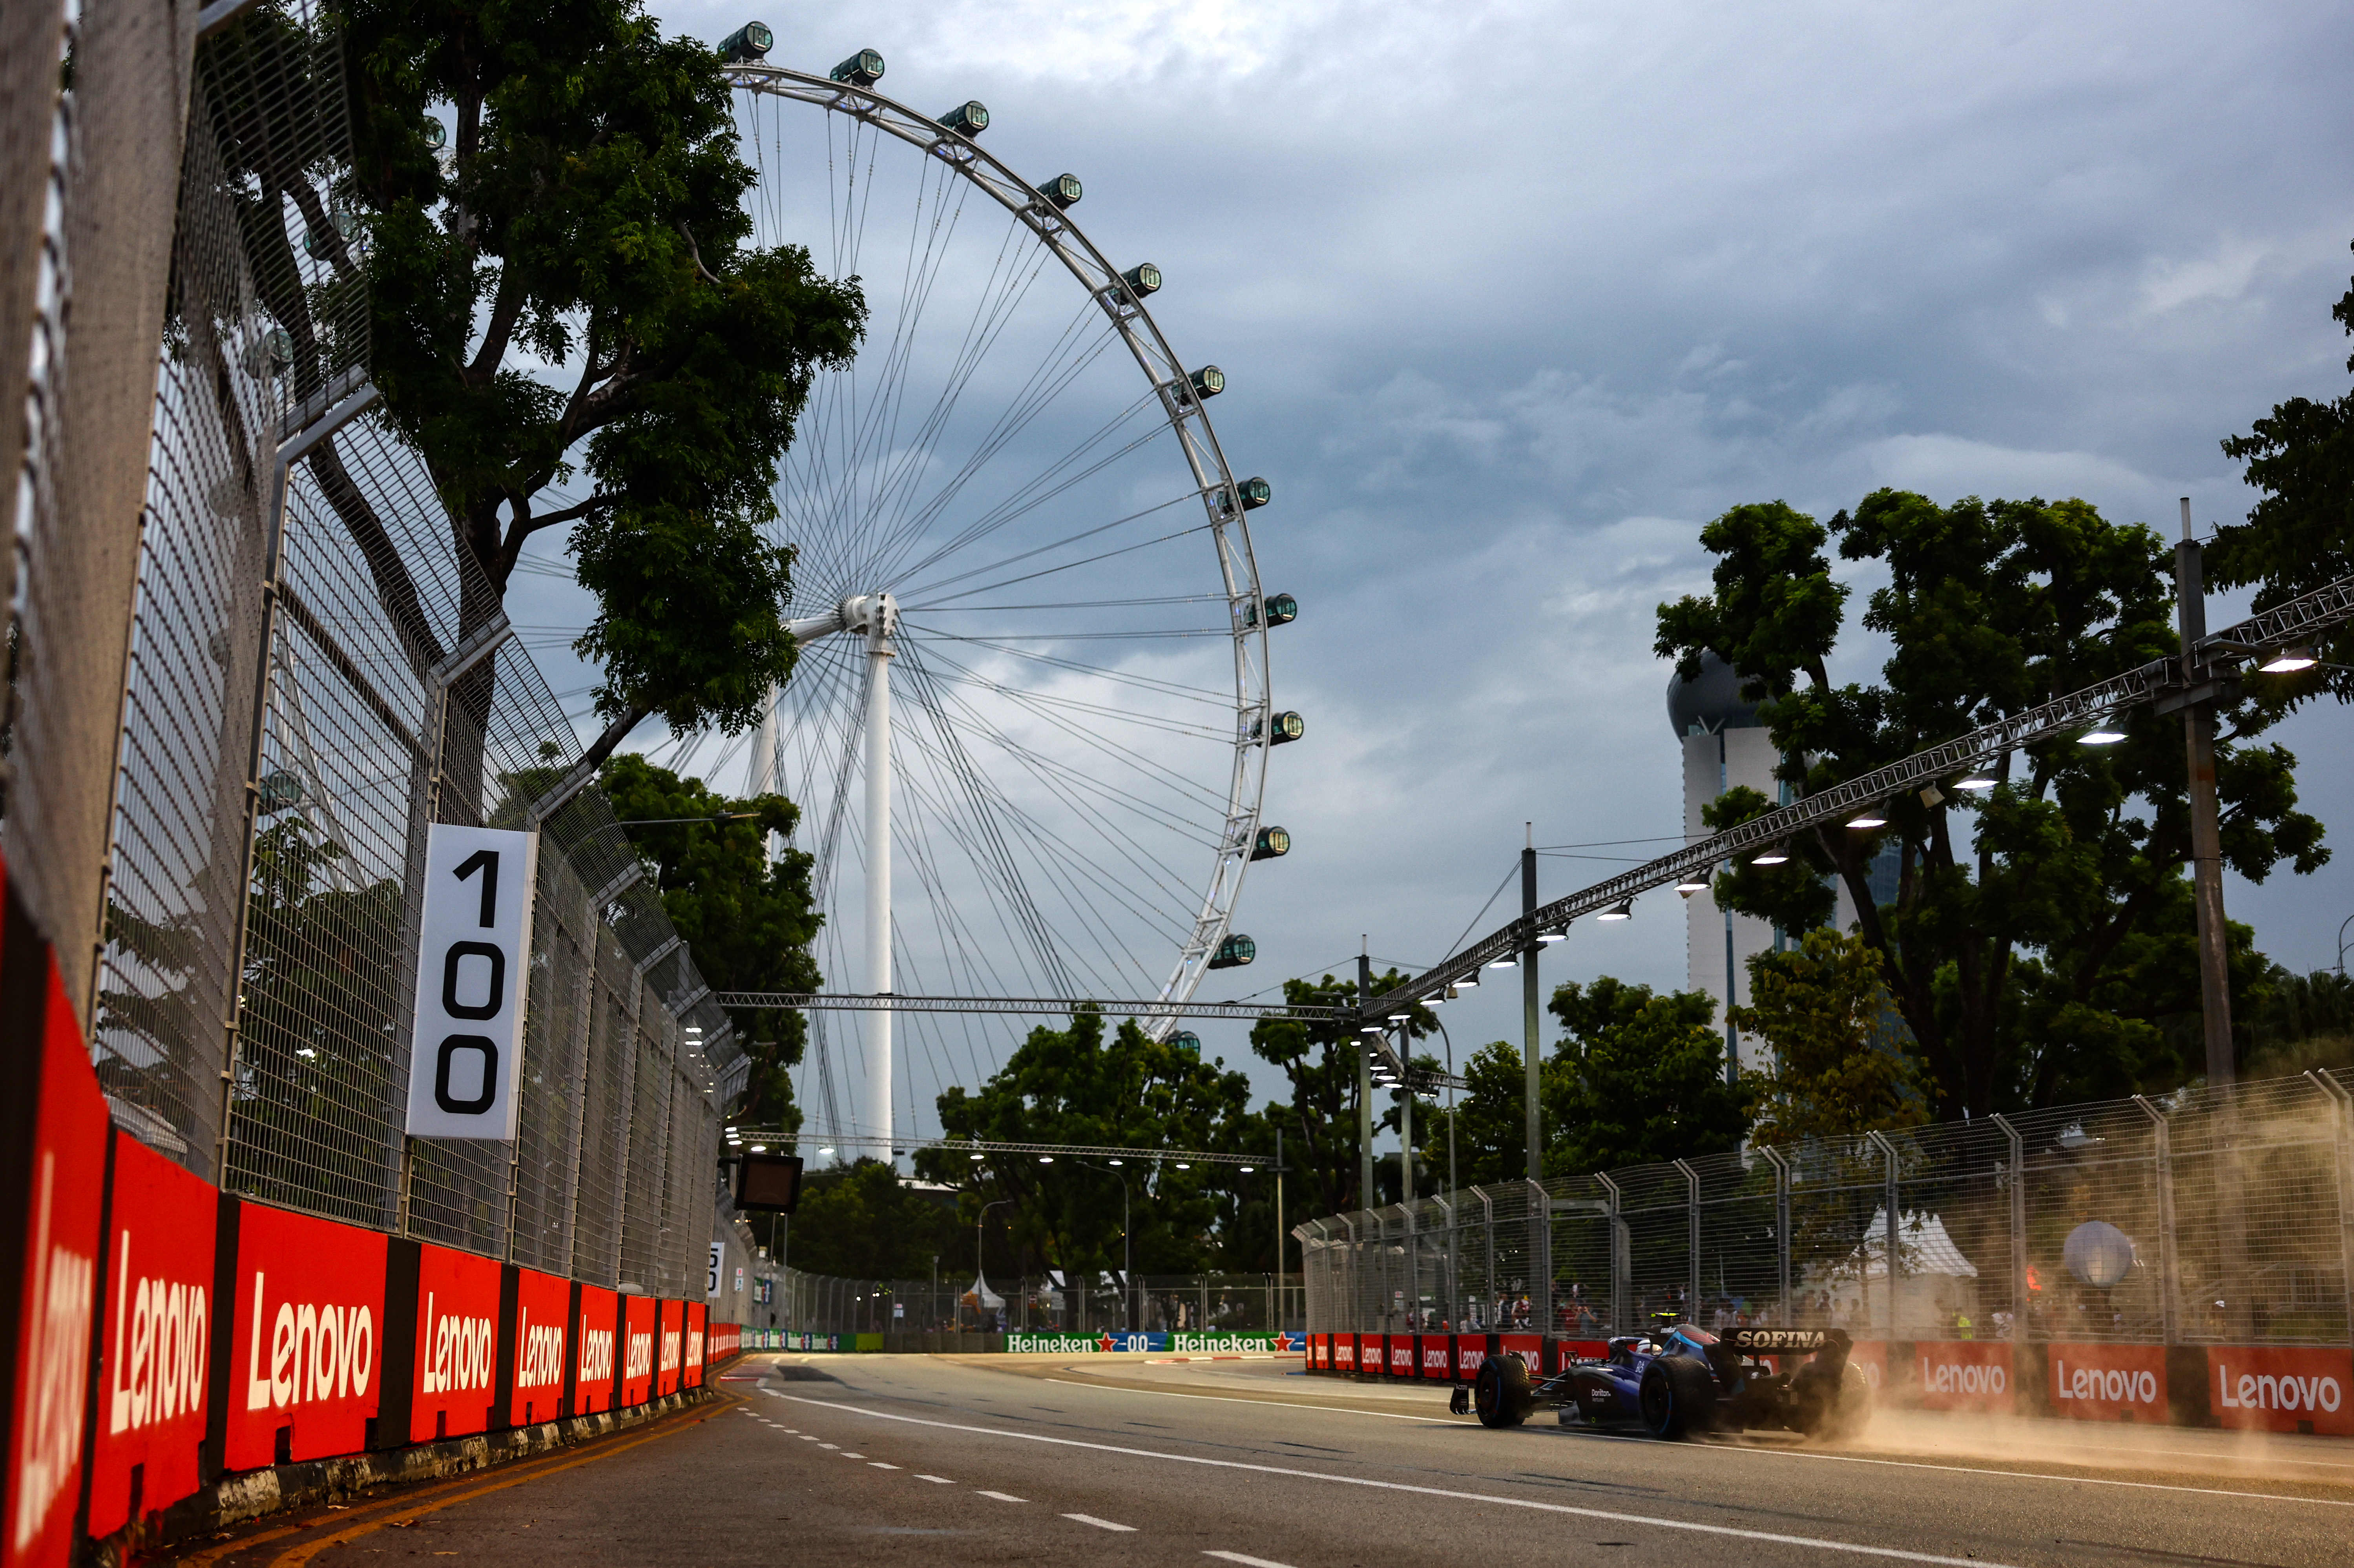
(718, 1252)
(473, 955)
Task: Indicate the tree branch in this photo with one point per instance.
(507, 309)
(601, 748)
(695, 253)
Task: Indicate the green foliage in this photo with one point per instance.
(748, 922)
(1637, 1079)
(1840, 1068)
(1320, 1057)
(861, 1221)
(2300, 534)
(589, 213)
(2303, 1021)
(2031, 948)
(1074, 1085)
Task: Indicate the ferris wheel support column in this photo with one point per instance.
(881, 622)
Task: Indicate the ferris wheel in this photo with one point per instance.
(1029, 726)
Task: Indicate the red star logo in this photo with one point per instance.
(1106, 1343)
(1282, 1342)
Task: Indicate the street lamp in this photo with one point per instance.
(2342, 944)
(1126, 1249)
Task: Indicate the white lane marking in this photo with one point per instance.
(1101, 1523)
(1275, 1403)
(851, 1456)
(1002, 1497)
(936, 1480)
(1691, 1527)
(807, 1437)
(881, 1466)
(1247, 1560)
(835, 1446)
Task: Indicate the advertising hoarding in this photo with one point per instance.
(690, 1374)
(2281, 1389)
(155, 1336)
(672, 1330)
(596, 1360)
(637, 1351)
(2107, 1383)
(543, 1345)
(1962, 1374)
(305, 1338)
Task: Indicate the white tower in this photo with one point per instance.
(1724, 745)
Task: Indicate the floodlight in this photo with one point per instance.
(1116, 1162)
(1247, 1169)
(2289, 661)
(1469, 983)
(976, 1157)
(1183, 1166)
(1553, 935)
(1046, 1159)
(1399, 1017)
(1977, 782)
(759, 1148)
(1869, 820)
(1622, 910)
(1505, 964)
(1769, 857)
(2100, 733)
(1693, 884)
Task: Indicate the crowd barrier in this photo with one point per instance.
(174, 1335)
(2255, 1388)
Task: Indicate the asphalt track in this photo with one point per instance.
(1094, 1460)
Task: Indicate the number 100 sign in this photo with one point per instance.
(474, 956)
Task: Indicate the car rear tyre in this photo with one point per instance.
(1501, 1394)
(1829, 1401)
(1678, 1397)
(1852, 1413)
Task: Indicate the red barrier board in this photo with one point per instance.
(1530, 1348)
(1435, 1356)
(673, 1316)
(1963, 1374)
(698, 1321)
(1401, 1355)
(63, 1178)
(156, 1336)
(534, 1390)
(1870, 1358)
(592, 1341)
(452, 1391)
(2275, 1389)
(1470, 1350)
(2108, 1383)
(1567, 1351)
(637, 1351)
(1344, 1352)
(303, 1352)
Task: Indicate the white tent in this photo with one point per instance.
(1935, 1284)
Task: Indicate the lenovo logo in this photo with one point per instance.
(2264, 1390)
(48, 1445)
(670, 1351)
(541, 1364)
(596, 1352)
(641, 1356)
(160, 1334)
(2118, 1385)
(316, 1352)
(1963, 1377)
(459, 1352)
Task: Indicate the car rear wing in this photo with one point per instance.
(1786, 1341)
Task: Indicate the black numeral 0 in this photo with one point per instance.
(489, 1007)
(449, 1048)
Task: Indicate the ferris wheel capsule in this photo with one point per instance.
(1286, 727)
(1208, 381)
(864, 68)
(968, 119)
(1142, 278)
(1254, 492)
(749, 42)
(1063, 191)
(1273, 843)
(1233, 952)
(1277, 609)
(1188, 1041)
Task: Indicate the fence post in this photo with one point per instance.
(1453, 1317)
(1781, 1228)
(2018, 1229)
(1691, 1240)
(1622, 1265)
(1488, 1229)
(2162, 1161)
(2341, 1152)
(1889, 1149)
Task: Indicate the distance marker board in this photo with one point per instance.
(474, 956)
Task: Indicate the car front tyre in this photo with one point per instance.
(1501, 1394)
(1678, 1397)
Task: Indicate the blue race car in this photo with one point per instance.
(1689, 1380)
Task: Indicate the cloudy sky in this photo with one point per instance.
(1513, 297)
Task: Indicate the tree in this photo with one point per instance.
(2030, 946)
(1840, 1067)
(862, 1222)
(2300, 534)
(588, 214)
(1637, 1078)
(747, 920)
(1075, 1085)
(1320, 1056)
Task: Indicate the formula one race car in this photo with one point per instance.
(1690, 1381)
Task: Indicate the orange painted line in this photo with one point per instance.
(414, 1500)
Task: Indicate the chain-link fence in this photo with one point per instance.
(2197, 1218)
(788, 1299)
(315, 672)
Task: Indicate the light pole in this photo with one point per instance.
(1126, 1249)
(2342, 944)
(977, 1273)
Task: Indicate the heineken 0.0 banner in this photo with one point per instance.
(1157, 1342)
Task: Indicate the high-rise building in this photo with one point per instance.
(1726, 744)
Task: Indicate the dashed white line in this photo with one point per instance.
(936, 1480)
(881, 1466)
(1247, 1560)
(854, 1455)
(1002, 1496)
(1101, 1523)
(835, 1446)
